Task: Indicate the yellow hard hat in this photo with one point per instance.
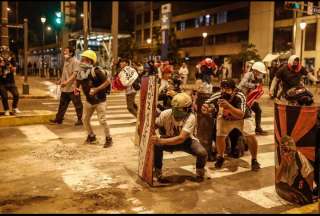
(90, 54)
(181, 100)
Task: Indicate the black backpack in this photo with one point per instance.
(136, 85)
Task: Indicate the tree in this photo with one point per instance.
(248, 52)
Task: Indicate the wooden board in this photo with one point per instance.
(148, 102)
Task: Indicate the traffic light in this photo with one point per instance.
(58, 19)
(293, 5)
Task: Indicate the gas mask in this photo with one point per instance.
(84, 72)
(180, 114)
(85, 66)
(225, 96)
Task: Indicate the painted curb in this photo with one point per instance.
(26, 119)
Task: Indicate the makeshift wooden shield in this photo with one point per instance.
(204, 123)
(295, 129)
(148, 102)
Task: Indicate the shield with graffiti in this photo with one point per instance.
(295, 129)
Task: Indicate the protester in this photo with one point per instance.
(7, 83)
(251, 81)
(68, 84)
(94, 83)
(290, 75)
(183, 72)
(177, 128)
(229, 105)
(130, 91)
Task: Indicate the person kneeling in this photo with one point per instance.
(177, 127)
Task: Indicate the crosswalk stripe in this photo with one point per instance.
(265, 159)
(265, 140)
(265, 197)
(113, 122)
(38, 133)
(113, 131)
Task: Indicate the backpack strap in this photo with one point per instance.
(298, 160)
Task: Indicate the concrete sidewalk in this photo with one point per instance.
(37, 87)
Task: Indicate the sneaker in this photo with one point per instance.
(108, 142)
(91, 139)
(200, 174)
(7, 113)
(219, 162)
(55, 121)
(16, 111)
(260, 131)
(157, 174)
(78, 123)
(255, 166)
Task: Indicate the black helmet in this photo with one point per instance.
(228, 83)
(300, 95)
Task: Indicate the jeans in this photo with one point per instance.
(257, 110)
(131, 105)
(4, 96)
(191, 146)
(101, 112)
(65, 99)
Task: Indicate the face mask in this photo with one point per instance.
(294, 67)
(179, 114)
(85, 66)
(226, 96)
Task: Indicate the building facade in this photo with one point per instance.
(266, 24)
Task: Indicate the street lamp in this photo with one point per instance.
(204, 35)
(49, 28)
(303, 25)
(81, 15)
(8, 9)
(43, 20)
(149, 43)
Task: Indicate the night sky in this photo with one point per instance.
(33, 10)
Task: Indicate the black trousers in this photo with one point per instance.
(190, 146)
(4, 96)
(257, 110)
(65, 99)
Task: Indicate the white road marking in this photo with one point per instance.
(38, 133)
(265, 197)
(50, 103)
(114, 122)
(169, 155)
(85, 177)
(265, 159)
(113, 131)
(265, 140)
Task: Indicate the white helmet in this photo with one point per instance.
(259, 66)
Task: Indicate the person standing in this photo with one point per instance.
(130, 91)
(229, 105)
(68, 84)
(250, 81)
(94, 83)
(7, 83)
(183, 72)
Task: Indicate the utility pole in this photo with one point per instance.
(151, 25)
(4, 23)
(85, 24)
(25, 87)
(114, 28)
